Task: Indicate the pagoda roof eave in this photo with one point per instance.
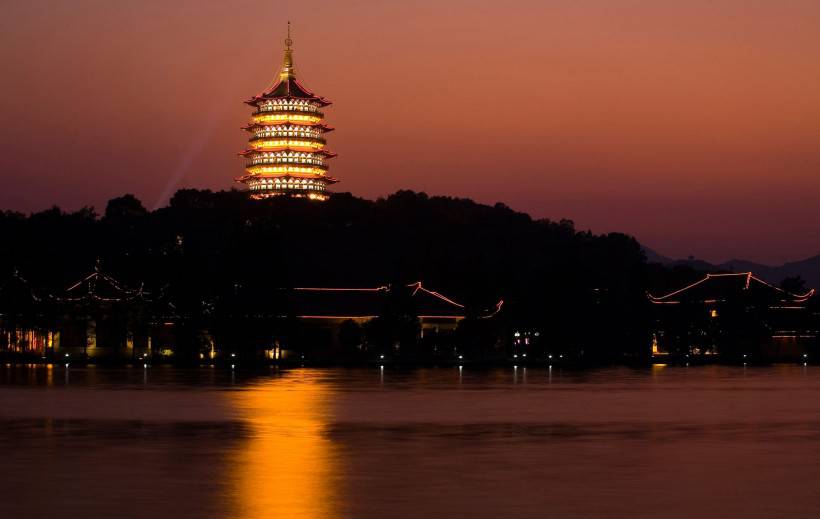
(327, 179)
(321, 126)
(290, 88)
(326, 153)
(321, 101)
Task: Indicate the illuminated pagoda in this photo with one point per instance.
(286, 155)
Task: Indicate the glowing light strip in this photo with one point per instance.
(109, 279)
(337, 316)
(95, 297)
(287, 106)
(418, 286)
(296, 194)
(696, 283)
(797, 296)
(749, 277)
(256, 144)
(292, 118)
(497, 309)
(78, 283)
(264, 169)
(344, 289)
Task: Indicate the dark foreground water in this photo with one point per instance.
(162, 443)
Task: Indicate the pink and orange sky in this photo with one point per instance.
(693, 125)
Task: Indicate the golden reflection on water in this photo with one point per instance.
(287, 466)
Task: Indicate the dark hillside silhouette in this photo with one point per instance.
(205, 247)
(221, 268)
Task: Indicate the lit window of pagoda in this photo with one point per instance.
(286, 155)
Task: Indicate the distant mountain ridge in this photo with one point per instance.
(808, 269)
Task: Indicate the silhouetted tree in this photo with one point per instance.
(793, 285)
(350, 337)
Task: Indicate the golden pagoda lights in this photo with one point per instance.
(286, 155)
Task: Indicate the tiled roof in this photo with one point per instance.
(369, 302)
(720, 287)
(98, 286)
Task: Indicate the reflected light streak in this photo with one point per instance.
(287, 469)
(201, 138)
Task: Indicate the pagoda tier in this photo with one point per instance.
(286, 155)
(291, 135)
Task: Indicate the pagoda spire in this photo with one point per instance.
(287, 64)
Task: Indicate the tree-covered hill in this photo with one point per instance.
(589, 290)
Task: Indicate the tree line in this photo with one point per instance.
(583, 291)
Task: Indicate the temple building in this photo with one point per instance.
(735, 315)
(332, 306)
(286, 155)
(98, 318)
(26, 324)
(103, 319)
(338, 324)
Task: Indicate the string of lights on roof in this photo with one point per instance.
(89, 288)
(747, 277)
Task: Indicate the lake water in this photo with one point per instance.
(705, 442)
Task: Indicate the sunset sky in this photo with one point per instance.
(693, 125)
